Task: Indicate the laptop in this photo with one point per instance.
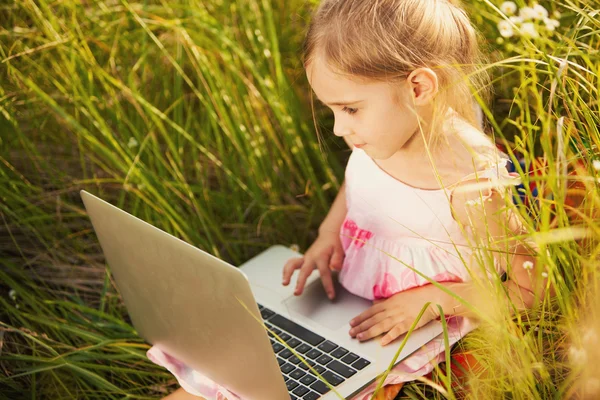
(210, 314)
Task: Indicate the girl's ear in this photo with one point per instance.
(423, 84)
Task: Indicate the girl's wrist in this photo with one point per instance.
(448, 302)
(328, 228)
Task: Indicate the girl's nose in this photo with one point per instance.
(341, 129)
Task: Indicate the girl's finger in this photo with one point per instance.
(337, 260)
(290, 267)
(365, 325)
(325, 272)
(307, 268)
(376, 330)
(377, 308)
(393, 334)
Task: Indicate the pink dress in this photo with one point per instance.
(386, 216)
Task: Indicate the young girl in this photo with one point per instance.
(424, 194)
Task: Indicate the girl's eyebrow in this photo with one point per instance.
(340, 103)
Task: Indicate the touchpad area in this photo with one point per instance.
(314, 304)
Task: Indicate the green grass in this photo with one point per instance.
(195, 116)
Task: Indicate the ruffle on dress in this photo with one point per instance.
(189, 379)
(378, 268)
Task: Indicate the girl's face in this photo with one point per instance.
(375, 116)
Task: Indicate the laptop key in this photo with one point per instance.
(293, 342)
(324, 359)
(311, 396)
(259, 306)
(332, 378)
(287, 367)
(301, 390)
(339, 352)
(277, 347)
(294, 360)
(350, 358)
(341, 369)
(285, 353)
(304, 366)
(266, 313)
(284, 336)
(320, 387)
(297, 374)
(327, 346)
(319, 368)
(360, 364)
(280, 361)
(296, 330)
(314, 353)
(307, 379)
(291, 384)
(303, 348)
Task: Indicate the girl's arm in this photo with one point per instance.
(497, 227)
(337, 213)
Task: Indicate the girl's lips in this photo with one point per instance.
(359, 145)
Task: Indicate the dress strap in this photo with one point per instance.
(494, 178)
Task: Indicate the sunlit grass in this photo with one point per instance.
(195, 117)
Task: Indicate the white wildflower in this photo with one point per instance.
(267, 53)
(242, 128)
(526, 13)
(506, 29)
(544, 274)
(590, 337)
(537, 329)
(516, 20)
(596, 164)
(508, 7)
(539, 12)
(12, 294)
(577, 356)
(551, 24)
(528, 265)
(556, 14)
(592, 386)
(132, 142)
(473, 202)
(528, 29)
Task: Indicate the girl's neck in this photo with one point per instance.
(413, 163)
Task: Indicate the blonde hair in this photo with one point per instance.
(385, 40)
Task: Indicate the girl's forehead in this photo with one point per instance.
(329, 84)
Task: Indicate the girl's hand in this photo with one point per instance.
(395, 315)
(326, 253)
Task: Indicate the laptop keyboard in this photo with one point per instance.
(334, 363)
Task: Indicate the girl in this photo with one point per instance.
(424, 187)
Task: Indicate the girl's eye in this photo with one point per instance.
(350, 110)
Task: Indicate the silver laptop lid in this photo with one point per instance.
(188, 302)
